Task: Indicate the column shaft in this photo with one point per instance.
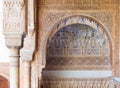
(27, 74)
(14, 68)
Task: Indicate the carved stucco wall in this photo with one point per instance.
(51, 12)
(49, 15)
(105, 12)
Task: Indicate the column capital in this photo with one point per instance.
(13, 39)
(26, 56)
(28, 49)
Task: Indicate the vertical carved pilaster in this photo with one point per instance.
(31, 15)
(29, 43)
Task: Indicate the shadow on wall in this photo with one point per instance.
(4, 83)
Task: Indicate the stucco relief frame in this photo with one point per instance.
(73, 19)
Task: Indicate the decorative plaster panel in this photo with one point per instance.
(105, 18)
(78, 83)
(14, 15)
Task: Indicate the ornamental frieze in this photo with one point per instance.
(76, 82)
(106, 18)
(77, 4)
(13, 5)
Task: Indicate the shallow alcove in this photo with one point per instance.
(76, 54)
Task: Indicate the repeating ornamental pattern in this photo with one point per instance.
(78, 83)
(14, 15)
(78, 46)
(104, 17)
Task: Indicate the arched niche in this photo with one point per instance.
(4, 83)
(61, 66)
(76, 19)
(78, 47)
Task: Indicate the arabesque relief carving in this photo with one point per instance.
(104, 17)
(79, 83)
(14, 15)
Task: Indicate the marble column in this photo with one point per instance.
(14, 67)
(13, 42)
(26, 54)
(27, 74)
(26, 58)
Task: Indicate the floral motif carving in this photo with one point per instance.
(51, 18)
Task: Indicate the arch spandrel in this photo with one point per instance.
(77, 19)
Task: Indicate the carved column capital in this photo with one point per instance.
(13, 39)
(26, 56)
(27, 51)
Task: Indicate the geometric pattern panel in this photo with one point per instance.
(78, 45)
(78, 83)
